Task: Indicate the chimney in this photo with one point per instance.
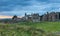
(25, 14)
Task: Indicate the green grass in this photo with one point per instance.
(47, 26)
(28, 28)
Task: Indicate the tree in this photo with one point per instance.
(14, 17)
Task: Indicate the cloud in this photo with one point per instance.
(19, 7)
(49, 1)
(9, 5)
(54, 1)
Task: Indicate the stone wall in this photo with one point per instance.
(33, 17)
(53, 16)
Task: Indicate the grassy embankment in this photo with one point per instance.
(29, 29)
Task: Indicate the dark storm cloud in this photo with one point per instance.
(8, 5)
(19, 7)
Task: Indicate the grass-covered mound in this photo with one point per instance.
(19, 30)
(29, 29)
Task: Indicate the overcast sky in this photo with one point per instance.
(19, 7)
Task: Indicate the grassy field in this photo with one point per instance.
(29, 29)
